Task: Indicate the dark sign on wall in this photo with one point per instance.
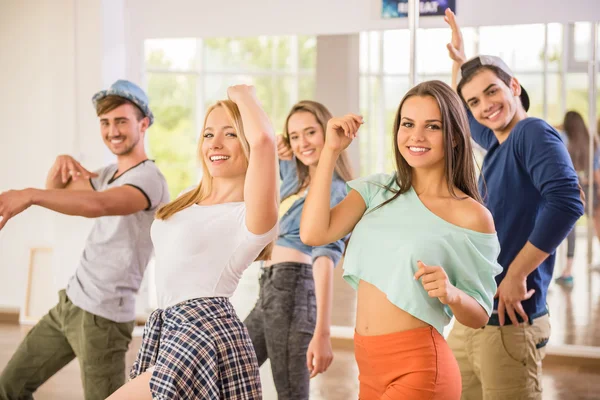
(399, 8)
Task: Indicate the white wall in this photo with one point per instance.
(55, 55)
(36, 43)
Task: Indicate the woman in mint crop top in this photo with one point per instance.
(423, 247)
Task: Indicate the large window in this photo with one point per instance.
(185, 76)
(553, 86)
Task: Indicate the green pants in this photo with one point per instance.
(64, 333)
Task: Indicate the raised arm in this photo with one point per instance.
(456, 47)
(320, 224)
(261, 184)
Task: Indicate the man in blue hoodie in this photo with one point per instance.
(530, 186)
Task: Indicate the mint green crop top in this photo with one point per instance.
(386, 244)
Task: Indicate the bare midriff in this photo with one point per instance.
(287, 254)
(376, 315)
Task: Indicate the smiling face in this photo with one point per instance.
(494, 104)
(306, 137)
(221, 147)
(122, 129)
(420, 137)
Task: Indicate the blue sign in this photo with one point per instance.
(399, 8)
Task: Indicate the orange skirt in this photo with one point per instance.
(415, 365)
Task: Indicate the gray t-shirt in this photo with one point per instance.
(118, 247)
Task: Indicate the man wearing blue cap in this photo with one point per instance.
(94, 318)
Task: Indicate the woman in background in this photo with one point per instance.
(290, 323)
(577, 139)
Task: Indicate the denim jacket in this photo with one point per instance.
(289, 224)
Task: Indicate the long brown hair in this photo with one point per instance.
(579, 140)
(342, 167)
(459, 158)
(204, 188)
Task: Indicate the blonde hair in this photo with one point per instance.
(204, 188)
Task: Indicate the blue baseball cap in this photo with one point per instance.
(129, 91)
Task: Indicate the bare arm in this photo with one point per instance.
(323, 276)
(261, 184)
(528, 259)
(320, 354)
(468, 311)
(320, 225)
(123, 200)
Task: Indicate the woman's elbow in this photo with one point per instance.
(477, 321)
(262, 140)
(310, 237)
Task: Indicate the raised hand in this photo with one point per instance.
(435, 281)
(341, 131)
(239, 91)
(284, 151)
(456, 47)
(66, 168)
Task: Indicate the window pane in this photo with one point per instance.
(534, 85)
(507, 42)
(283, 53)
(173, 136)
(371, 99)
(235, 54)
(372, 145)
(555, 116)
(374, 53)
(173, 54)
(577, 95)
(307, 49)
(215, 86)
(394, 90)
(306, 88)
(396, 51)
(434, 59)
(281, 99)
(555, 48)
(364, 59)
(582, 35)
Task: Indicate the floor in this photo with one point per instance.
(575, 311)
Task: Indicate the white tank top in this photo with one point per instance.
(202, 251)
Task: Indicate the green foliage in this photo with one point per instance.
(172, 138)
